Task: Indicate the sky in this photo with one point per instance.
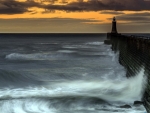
(74, 16)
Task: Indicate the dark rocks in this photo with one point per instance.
(138, 103)
(125, 106)
(128, 106)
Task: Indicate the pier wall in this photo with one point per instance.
(134, 54)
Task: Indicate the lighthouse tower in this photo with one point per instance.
(114, 27)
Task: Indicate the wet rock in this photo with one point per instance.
(138, 103)
(125, 106)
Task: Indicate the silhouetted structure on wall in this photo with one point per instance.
(114, 27)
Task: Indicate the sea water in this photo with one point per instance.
(65, 74)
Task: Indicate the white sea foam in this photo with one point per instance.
(47, 43)
(47, 106)
(128, 90)
(34, 56)
(95, 43)
(108, 53)
(84, 46)
(49, 56)
(66, 51)
(70, 46)
(26, 106)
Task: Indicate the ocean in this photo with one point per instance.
(65, 73)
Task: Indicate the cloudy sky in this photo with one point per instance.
(74, 16)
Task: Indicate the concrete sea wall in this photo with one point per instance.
(134, 53)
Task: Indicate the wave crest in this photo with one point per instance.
(35, 56)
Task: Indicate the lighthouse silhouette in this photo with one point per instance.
(114, 27)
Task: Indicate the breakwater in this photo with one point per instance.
(134, 54)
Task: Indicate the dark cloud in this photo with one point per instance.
(12, 10)
(11, 7)
(97, 5)
(134, 17)
(66, 8)
(15, 7)
(50, 1)
(143, 14)
(112, 12)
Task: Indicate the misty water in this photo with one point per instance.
(69, 74)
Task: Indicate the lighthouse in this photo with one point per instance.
(114, 27)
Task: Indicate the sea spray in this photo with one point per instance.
(76, 95)
(38, 56)
(128, 90)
